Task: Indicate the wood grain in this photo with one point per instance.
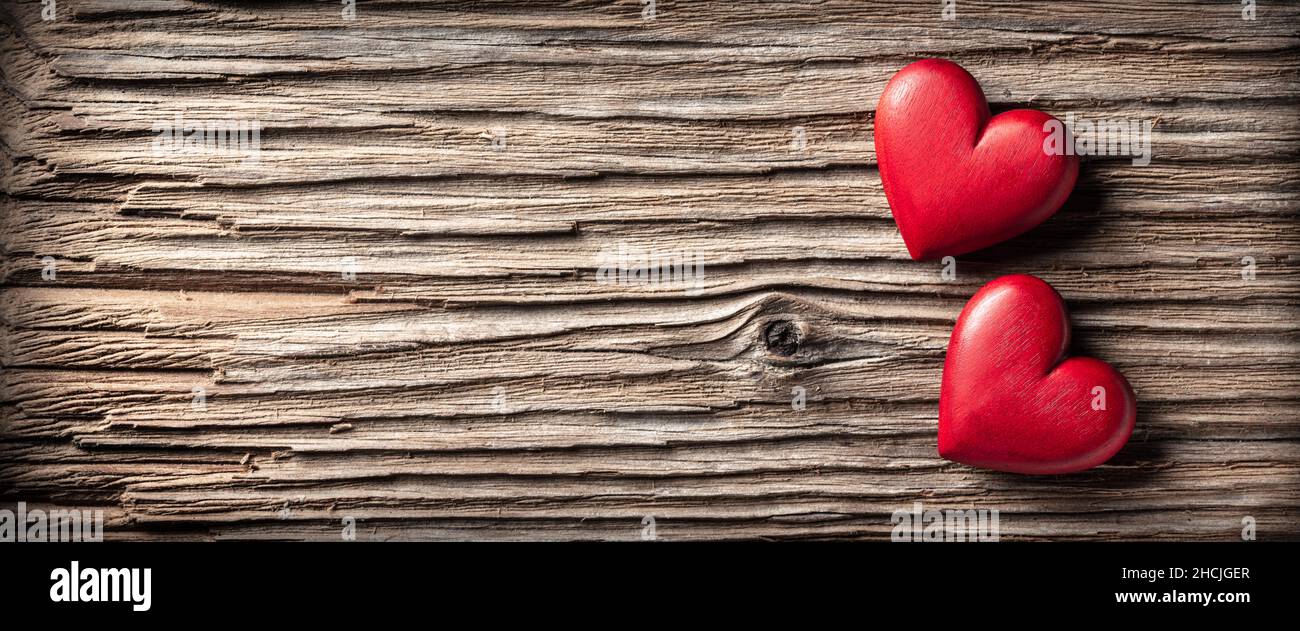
(473, 379)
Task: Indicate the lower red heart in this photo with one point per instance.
(1010, 399)
(956, 179)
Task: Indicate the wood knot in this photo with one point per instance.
(782, 337)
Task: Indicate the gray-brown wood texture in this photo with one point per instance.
(394, 314)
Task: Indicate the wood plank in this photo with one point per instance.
(475, 379)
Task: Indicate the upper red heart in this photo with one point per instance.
(1010, 400)
(956, 179)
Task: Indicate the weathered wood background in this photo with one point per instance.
(469, 161)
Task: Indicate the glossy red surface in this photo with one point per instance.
(1012, 401)
(956, 180)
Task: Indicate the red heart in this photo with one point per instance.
(1011, 401)
(956, 180)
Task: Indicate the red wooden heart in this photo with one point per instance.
(957, 180)
(1010, 400)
